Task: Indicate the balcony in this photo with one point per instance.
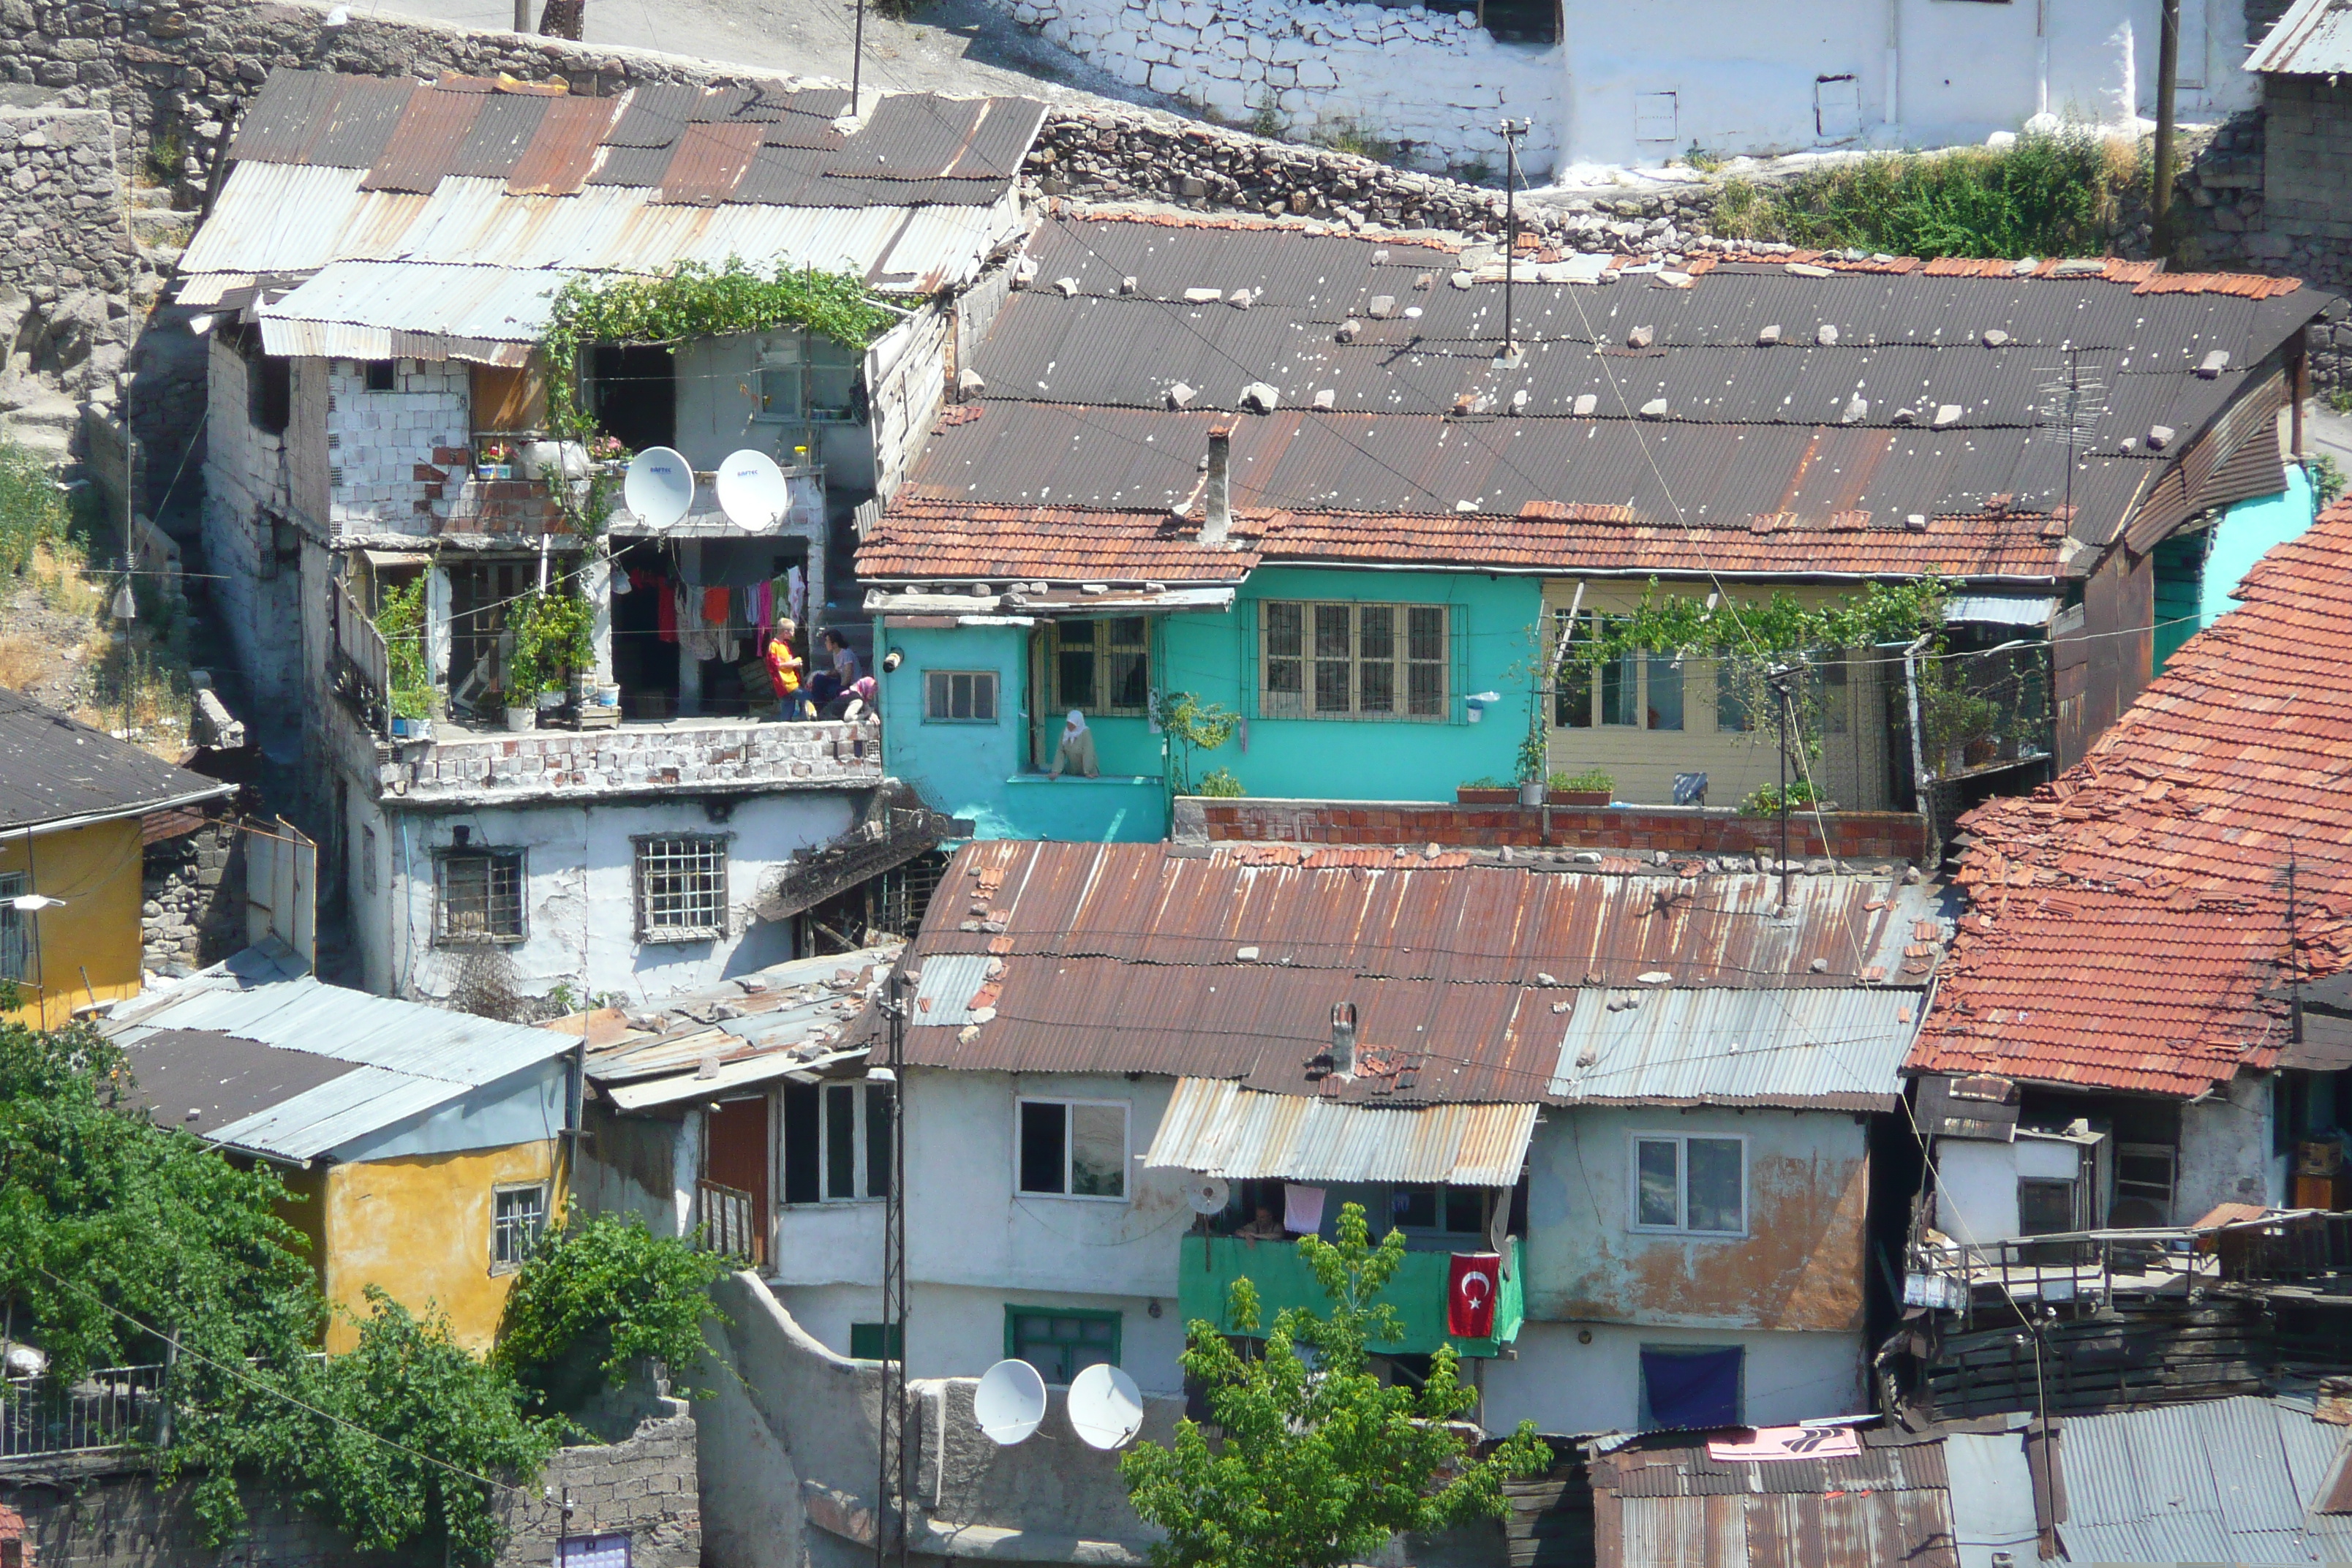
(704, 756)
(1208, 1266)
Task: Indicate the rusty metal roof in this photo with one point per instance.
(1225, 963)
(1840, 1049)
(2313, 38)
(1223, 1129)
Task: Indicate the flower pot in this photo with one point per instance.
(1580, 796)
(522, 719)
(550, 701)
(608, 696)
(1482, 794)
(412, 728)
(1532, 793)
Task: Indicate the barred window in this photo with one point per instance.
(681, 887)
(480, 898)
(14, 945)
(1102, 667)
(1344, 660)
(960, 697)
(518, 1215)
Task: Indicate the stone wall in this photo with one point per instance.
(1322, 72)
(106, 1512)
(715, 754)
(1660, 832)
(2306, 189)
(65, 266)
(193, 911)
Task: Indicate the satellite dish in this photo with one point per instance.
(660, 487)
(1010, 1402)
(751, 489)
(1207, 1195)
(1105, 1408)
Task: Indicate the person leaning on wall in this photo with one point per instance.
(1076, 754)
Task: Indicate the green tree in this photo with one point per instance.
(1318, 1463)
(597, 1294)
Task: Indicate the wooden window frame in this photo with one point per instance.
(1014, 1312)
(511, 1256)
(1399, 663)
(654, 927)
(1070, 1141)
(1096, 700)
(996, 696)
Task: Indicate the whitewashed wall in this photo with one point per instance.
(377, 439)
(252, 593)
(1567, 1384)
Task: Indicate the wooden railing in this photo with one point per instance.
(363, 660)
(727, 1221)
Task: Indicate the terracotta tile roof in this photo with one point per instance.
(2126, 919)
(920, 538)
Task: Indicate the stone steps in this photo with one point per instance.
(44, 425)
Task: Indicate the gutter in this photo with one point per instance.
(145, 808)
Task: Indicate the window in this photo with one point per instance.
(2045, 1207)
(808, 378)
(960, 697)
(1837, 108)
(610, 1551)
(1352, 661)
(367, 856)
(517, 1217)
(856, 1138)
(681, 889)
(1686, 1387)
(1458, 1211)
(481, 897)
(1074, 1149)
(14, 929)
(1697, 1185)
(381, 375)
(268, 391)
(1635, 691)
(1061, 1343)
(877, 1341)
(1103, 667)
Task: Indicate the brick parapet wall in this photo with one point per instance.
(713, 755)
(1630, 829)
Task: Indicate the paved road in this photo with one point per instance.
(950, 45)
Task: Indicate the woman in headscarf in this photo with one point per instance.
(1076, 753)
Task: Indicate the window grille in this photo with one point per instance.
(518, 1215)
(481, 897)
(681, 887)
(1347, 661)
(1102, 667)
(13, 927)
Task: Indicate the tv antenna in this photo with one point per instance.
(2071, 408)
(1508, 356)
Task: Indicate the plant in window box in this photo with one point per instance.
(1485, 792)
(1802, 796)
(1594, 786)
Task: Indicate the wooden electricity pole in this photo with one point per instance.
(2168, 72)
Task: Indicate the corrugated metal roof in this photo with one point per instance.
(1664, 1500)
(54, 767)
(409, 1056)
(1661, 1046)
(1225, 963)
(753, 1029)
(1223, 1129)
(2001, 609)
(490, 303)
(2313, 38)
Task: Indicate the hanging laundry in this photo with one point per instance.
(796, 592)
(714, 606)
(1302, 1208)
(665, 607)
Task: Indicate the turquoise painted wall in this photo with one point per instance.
(982, 771)
(2246, 531)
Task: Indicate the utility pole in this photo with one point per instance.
(2167, 72)
(856, 59)
(1510, 131)
(522, 15)
(1779, 679)
(890, 1491)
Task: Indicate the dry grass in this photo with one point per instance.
(22, 662)
(58, 571)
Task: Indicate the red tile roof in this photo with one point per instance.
(2128, 920)
(923, 539)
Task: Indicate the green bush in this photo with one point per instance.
(1219, 783)
(1589, 779)
(599, 1294)
(401, 622)
(1766, 801)
(2326, 477)
(33, 510)
(2045, 196)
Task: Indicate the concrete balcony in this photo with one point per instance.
(697, 756)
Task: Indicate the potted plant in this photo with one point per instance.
(1485, 792)
(1533, 757)
(411, 701)
(1766, 801)
(1594, 786)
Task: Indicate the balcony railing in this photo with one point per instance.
(1208, 1266)
(106, 1409)
(362, 664)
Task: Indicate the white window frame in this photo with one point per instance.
(786, 363)
(15, 931)
(1682, 1140)
(860, 1094)
(1400, 664)
(996, 696)
(644, 845)
(1069, 1129)
(506, 1189)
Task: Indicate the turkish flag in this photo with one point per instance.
(1470, 1290)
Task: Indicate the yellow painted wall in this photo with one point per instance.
(97, 870)
(1850, 770)
(419, 1225)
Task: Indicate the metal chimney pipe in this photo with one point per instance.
(1216, 496)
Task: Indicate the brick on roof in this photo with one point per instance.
(2127, 919)
(919, 539)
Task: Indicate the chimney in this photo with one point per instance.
(1343, 1039)
(1216, 496)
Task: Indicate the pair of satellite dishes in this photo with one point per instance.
(1105, 1408)
(753, 490)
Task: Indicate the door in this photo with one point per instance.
(738, 1159)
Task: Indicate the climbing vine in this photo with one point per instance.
(693, 300)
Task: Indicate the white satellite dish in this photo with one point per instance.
(751, 489)
(1010, 1402)
(1207, 1195)
(660, 487)
(1105, 1408)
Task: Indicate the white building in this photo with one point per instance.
(380, 264)
(1604, 83)
(1676, 1172)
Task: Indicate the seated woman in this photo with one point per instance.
(839, 674)
(854, 703)
(1076, 754)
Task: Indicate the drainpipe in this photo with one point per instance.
(1894, 62)
(1919, 780)
(1216, 496)
(2041, 56)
